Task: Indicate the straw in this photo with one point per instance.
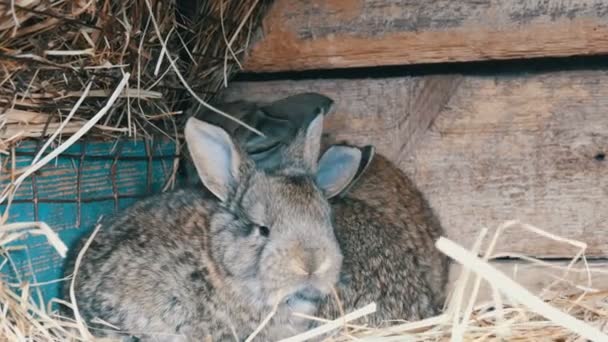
(335, 324)
(79, 321)
(78, 85)
(516, 291)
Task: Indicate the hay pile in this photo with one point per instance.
(563, 311)
(51, 50)
(104, 68)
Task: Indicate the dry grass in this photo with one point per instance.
(50, 50)
(102, 68)
(563, 311)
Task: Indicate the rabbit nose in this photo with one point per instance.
(306, 262)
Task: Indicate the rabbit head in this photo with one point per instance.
(272, 235)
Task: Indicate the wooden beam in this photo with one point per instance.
(327, 34)
(530, 148)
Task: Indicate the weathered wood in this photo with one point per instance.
(428, 98)
(391, 110)
(321, 34)
(530, 148)
(549, 278)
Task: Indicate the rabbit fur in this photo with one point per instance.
(386, 231)
(194, 264)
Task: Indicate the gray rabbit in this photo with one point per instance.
(195, 264)
(386, 231)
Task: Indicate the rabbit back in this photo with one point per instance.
(386, 231)
(150, 271)
(394, 195)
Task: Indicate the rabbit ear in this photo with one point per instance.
(367, 155)
(281, 121)
(337, 169)
(215, 156)
(303, 151)
(312, 142)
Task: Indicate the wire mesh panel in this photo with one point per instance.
(90, 180)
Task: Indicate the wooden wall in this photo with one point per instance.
(322, 34)
(483, 149)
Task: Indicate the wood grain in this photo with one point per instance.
(390, 110)
(542, 279)
(502, 148)
(326, 34)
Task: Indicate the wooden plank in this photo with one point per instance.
(428, 98)
(530, 148)
(400, 108)
(327, 34)
(542, 279)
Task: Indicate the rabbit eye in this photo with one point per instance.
(264, 231)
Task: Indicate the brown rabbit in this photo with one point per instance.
(386, 231)
(194, 264)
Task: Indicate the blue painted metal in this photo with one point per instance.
(33, 259)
